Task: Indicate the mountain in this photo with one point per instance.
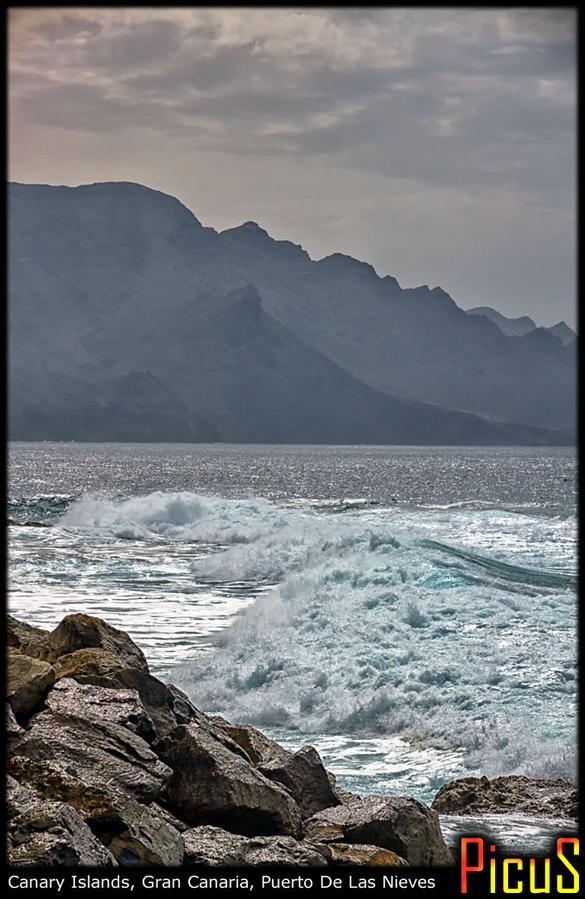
(518, 327)
(129, 320)
(511, 327)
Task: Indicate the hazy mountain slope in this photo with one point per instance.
(511, 327)
(518, 327)
(120, 307)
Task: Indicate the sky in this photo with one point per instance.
(437, 144)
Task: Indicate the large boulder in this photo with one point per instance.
(136, 834)
(82, 631)
(101, 754)
(304, 776)
(20, 635)
(93, 661)
(213, 785)
(401, 824)
(51, 833)
(513, 792)
(214, 846)
(28, 680)
(100, 704)
(260, 749)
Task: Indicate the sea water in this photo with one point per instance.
(409, 611)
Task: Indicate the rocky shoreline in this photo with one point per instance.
(108, 766)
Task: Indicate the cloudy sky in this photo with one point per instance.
(437, 144)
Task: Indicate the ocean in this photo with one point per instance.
(409, 611)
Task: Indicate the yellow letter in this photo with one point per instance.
(546, 887)
(507, 862)
(574, 872)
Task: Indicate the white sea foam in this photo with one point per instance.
(452, 627)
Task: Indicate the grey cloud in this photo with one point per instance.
(70, 26)
(138, 45)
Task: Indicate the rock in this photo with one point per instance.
(168, 817)
(166, 705)
(18, 798)
(356, 854)
(29, 640)
(52, 833)
(304, 776)
(100, 704)
(513, 792)
(91, 661)
(101, 755)
(136, 834)
(214, 846)
(84, 631)
(401, 824)
(13, 728)
(28, 680)
(213, 785)
(260, 749)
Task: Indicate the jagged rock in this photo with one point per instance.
(304, 776)
(84, 631)
(166, 705)
(52, 833)
(401, 824)
(18, 798)
(97, 704)
(102, 755)
(28, 639)
(259, 748)
(92, 661)
(215, 846)
(356, 854)
(28, 680)
(136, 834)
(513, 792)
(213, 785)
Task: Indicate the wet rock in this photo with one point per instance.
(514, 792)
(215, 846)
(100, 704)
(401, 824)
(260, 749)
(29, 640)
(83, 662)
(28, 680)
(166, 705)
(52, 833)
(213, 785)
(304, 776)
(101, 755)
(356, 854)
(84, 631)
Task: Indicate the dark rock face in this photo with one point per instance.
(52, 833)
(101, 705)
(469, 795)
(304, 776)
(212, 785)
(214, 846)
(24, 637)
(102, 755)
(403, 825)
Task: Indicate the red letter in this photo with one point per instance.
(464, 866)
